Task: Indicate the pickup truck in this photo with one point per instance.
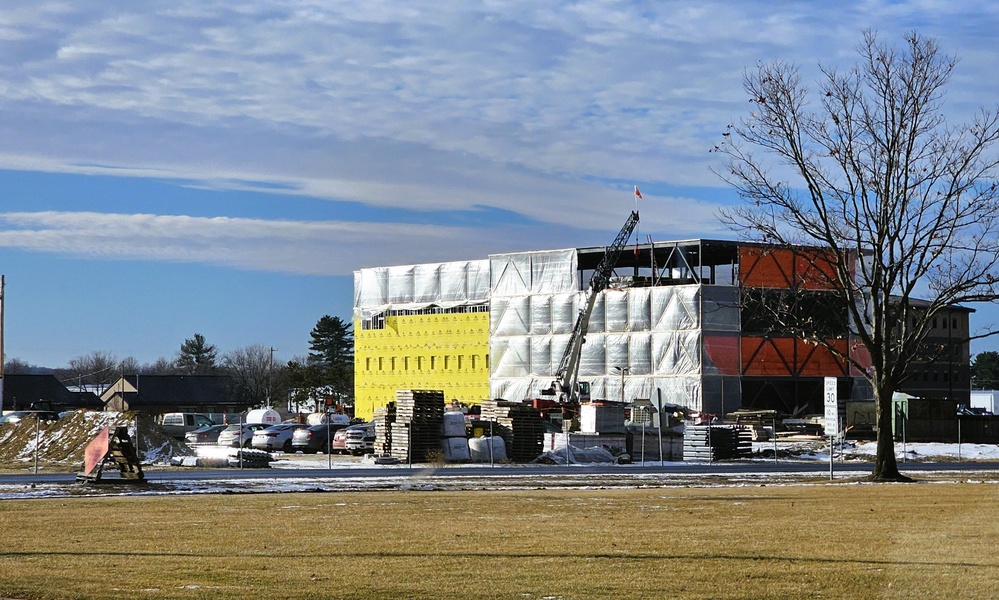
(177, 425)
(360, 439)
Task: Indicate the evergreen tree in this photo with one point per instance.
(332, 342)
(196, 356)
(985, 371)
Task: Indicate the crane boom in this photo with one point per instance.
(567, 375)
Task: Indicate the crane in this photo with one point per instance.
(566, 382)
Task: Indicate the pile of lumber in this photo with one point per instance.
(716, 442)
(520, 425)
(416, 432)
(384, 418)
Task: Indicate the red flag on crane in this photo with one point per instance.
(638, 194)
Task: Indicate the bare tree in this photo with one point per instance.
(98, 368)
(162, 366)
(129, 366)
(251, 368)
(16, 366)
(906, 204)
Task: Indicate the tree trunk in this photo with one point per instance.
(885, 465)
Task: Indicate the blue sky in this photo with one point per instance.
(169, 168)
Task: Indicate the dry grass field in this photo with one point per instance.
(924, 540)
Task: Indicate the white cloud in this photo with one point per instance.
(517, 105)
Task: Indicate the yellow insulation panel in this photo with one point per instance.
(444, 351)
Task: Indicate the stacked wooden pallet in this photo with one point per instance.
(520, 425)
(716, 442)
(416, 432)
(384, 418)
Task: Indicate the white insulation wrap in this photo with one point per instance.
(547, 272)
(418, 286)
(675, 308)
(652, 333)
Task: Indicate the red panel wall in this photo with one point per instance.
(785, 268)
(721, 353)
(786, 357)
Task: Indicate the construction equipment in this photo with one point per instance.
(567, 384)
(111, 448)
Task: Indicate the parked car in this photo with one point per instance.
(41, 415)
(360, 439)
(209, 434)
(178, 424)
(314, 439)
(339, 443)
(276, 437)
(232, 436)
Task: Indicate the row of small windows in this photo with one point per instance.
(378, 321)
(943, 322)
(432, 363)
(939, 376)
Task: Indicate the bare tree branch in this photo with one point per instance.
(906, 203)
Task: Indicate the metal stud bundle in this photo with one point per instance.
(716, 442)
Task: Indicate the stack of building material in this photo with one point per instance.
(520, 424)
(384, 418)
(716, 442)
(454, 442)
(419, 416)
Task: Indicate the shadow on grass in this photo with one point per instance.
(615, 556)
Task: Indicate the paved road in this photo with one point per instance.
(536, 475)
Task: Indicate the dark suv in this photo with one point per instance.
(314, 439)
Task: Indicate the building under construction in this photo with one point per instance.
(677, 321)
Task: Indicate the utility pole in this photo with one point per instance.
(3, 331)
(270, 371)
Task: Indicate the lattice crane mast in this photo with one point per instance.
(566, 382)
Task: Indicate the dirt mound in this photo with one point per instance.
(64, 440)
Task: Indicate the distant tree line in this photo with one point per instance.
(323, 378)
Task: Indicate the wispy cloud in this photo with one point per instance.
(537, 109)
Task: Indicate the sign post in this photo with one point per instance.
(832, 417)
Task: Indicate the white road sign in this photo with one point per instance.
(832, 407)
